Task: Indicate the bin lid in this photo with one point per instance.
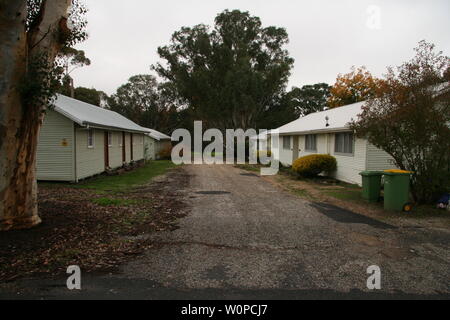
(395, 172)
(371, 173)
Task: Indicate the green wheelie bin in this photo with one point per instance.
(371, 184)
(396, 190)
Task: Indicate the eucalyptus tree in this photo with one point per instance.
(32, 34)
(229, 74)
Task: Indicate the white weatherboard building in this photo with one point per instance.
(154, 143)
(328, 132)
(79, 140)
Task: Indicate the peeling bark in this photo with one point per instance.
(20, 123)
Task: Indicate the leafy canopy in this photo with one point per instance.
(227, 75)
(309, 99)
(355, 86)
(137, 100)
(410, 120)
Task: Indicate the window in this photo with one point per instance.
(286, 142)
(110, 139)
(90, 138)
(343, 143)
(311, 142)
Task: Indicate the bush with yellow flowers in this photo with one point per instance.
(315, 164)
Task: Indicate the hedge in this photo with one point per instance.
(315, 164)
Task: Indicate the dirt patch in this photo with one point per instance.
(366, 239)
(398, 253)
(91, 230)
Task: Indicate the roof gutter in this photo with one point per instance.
(90, 125)
(290, 133)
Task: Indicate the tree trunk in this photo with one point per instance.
(20, 123)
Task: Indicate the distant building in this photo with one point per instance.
(328, 132)
(154, 143)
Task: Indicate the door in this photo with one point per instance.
(131, 146)
(124, 150)
(106, 150)
(295, 149)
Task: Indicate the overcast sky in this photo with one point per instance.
(327, 37)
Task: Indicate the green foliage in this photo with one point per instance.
(71, 59)
(137, 100)
(309, 98)
(127, 180)
(410, 121)
(78, 22)
(230, 74)
(41, 82)
(44, 73)
(313, 165)
(345, 194)
(91, 96)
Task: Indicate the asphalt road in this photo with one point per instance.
(246, 239)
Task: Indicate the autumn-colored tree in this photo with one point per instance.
(355, 86)
(410, 120)
(32, 34)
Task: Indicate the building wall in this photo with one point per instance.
(55, 161)
(127, 147)
(349, 166)
(115, 150)
(138, 146)
(161, 145)
(89, 161)
(285, 155)
(149, 148)
(377, 159)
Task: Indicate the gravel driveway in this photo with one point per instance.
(245, 238)
(245, 233)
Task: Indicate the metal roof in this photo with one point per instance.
(157, 135)
(88, 115)
(338, 120)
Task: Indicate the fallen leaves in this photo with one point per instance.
(77, 231)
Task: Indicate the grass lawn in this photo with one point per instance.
(127, 180)
(347, 196)
(124, 181)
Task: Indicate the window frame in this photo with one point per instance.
(91, 139)
(346, 143)
(287, 138)
(307, 147)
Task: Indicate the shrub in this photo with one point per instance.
(314, 165)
